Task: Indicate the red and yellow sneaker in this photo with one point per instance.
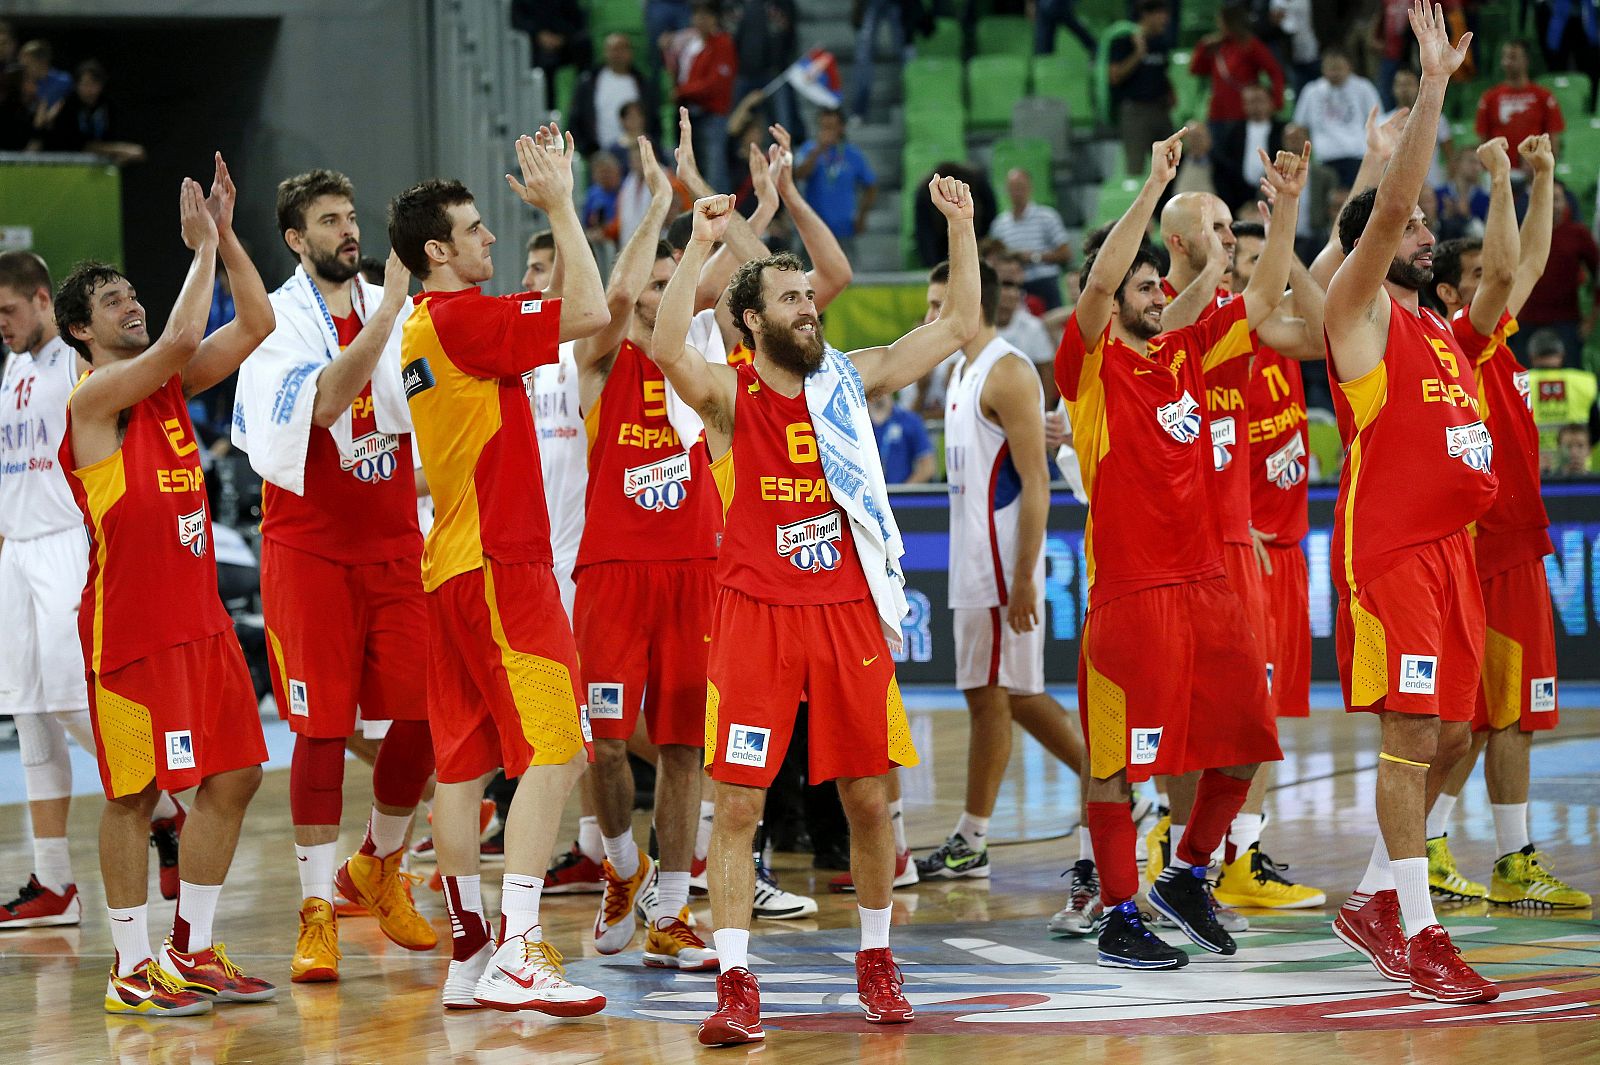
(878, 983)
(151, 991)
(36, 906)
(614, 925)
(738, 1016)
(1371, 927)
(380, 886)
(316, 951)
(1437, 971)
(575, 873)
(672, 944)
(164, 834)
(211, 973)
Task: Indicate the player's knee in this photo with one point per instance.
(610, 755)
(140, 804)
(865, 802)
(678, 759)
(1414, 737)
(235, 788)
(738, 809)
(1454, 742)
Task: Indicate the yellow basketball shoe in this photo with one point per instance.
(1253, 879)
(316, 951)
(380, 886)
(1158, 843)
(1443, 879)
(1520, 879)
(672, 944)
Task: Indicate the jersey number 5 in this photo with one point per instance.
(177, 437)
(1447, 358)
(802, 444)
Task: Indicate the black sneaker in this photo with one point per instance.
(1125, 943)
(1181, 895)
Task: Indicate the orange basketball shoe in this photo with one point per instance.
(316, 951)
(380, 886)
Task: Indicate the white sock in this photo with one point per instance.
(1245, 832)
(316, 864)
(197, 907)
(672, 895)
(733, 948)
(52, 863)
(130, 934)
(874, 927)
(387, 831)
(973, 829)
(1411, 883)
(519, 905)
(166, 806)
(897, 823)
(1379, 876)
(1162, 801)
(702, 831)
(623, 853)
(1439, 816)
(1174, 837)
(590, 844)
(1085, 844)
(1510, 826)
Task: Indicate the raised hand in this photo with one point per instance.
(1537, 153)
(688, 169)
(655, 179)
(1439, 57)
(951, 196)
(1495, 155)
(1287, 173)
(762, 178)
(781, 163)
(711, 217)
(1166, 155)
(194, 220)
(396, 280)
(546, 169)
(223, 196)
(1383, 137)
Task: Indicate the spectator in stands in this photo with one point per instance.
(766, 44)
(1048, 15)
(932, 235)
(1576, 448)
(1300, 48)
(836, 178)
(84, 123)
(1334, 110)
(558, 34)
(635, 121)
(1237, 167)
(663, 19)
(1035, 232)
(1017, 325)
(1463, 201)
(1554, 302)
(16, 119)
(1518, 108)
(8, 46)
(1198, 171)
(1404, 90)
(1316, 220)
(48, 85)
(604, 90)
(600, 202)
(1569, 36)
(869, 16)
(1141, 92)
(1391, 39)
(706, 69)
(903, 442)
(1558, 395)
(1232, 58)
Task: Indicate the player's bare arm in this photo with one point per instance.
(1382, 138)
(1502, 244)
(221, 353)
(1357, 316)
(741, 238)
(547, 185)
(707, 388)
(1285, 175)
(1187, 306)
(1294, 330)
(830, 269)
(1537, 224)
(117, 385)
(342, 380)
(888, 369)
(1111, 262)
(715, 274)
(1011, 398)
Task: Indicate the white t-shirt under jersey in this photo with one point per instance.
(563, 455)
(34, 498)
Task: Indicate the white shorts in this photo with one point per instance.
(41, 658)
(989, 652)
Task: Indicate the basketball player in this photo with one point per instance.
(540, 273)
(999, 504)
(503, 679)
(1158, 590)
(169, 692)
(809, 579)
(1410, 619)
(1482, 287)
(320, 411)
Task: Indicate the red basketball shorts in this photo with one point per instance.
(342, 636)
(1519, 652)
(643, 632)
(1411, 640)
(176, 717)
(1170, 680)
(1249, 584)
(766, 659)
(1289, 630)
(502, 673)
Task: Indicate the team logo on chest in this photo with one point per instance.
(1223, 437)
(192, 532)
(1472, 444)
(658, 486)
(1524, 393)
(1285, 467)
(813, 543)
(373, 457)
(1180, 419)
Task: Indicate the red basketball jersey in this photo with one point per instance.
(785, 541)
(1227, 386)
(649, 499)
(1279, 462)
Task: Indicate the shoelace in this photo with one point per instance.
(884, 976)
(765, 878)
(230, 970)
(396, 888)
(545, 955)
(327, 936)
(680, 934)
(617, 900)
(162, 980)
(1268, 871)
(27, 893)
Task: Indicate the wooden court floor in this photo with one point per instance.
(988, 980)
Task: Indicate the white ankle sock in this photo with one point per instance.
(1085, 844)
(316, 864)
(590, 843)
(52, 862)
(519, 904)
(973, 829)
(1510, 826)
(672, 895)
(1174, 837)
(1245, 832)
(197, 907)
(1379, 876)
(623, 854)
(1411, 883)
(897, 823)
(1439, 816)
(130, 934)
(702, 831)
(874, 927)
(387, 831)
(733, 948)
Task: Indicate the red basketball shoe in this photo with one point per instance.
(738, 1016)
(1370, 926)
(1437, 971)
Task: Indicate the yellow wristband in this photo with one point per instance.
(1385, 756)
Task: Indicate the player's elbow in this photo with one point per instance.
(585, 321)
(257, 325)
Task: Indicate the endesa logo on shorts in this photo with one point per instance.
(1286, 466)
(658, 486)
(1472, 444)
(1416, 674)
(192, 532)
(373, 457)
(583, 726)
(299, 703)
(1180, 419)
(813, 544)
(180, 750)
(1542, 696)
(605, 702)
(747, 745)
(1143, 745)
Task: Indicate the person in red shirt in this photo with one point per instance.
(797, 610)
(1409, 631)
(170, 695)
(1481, 287)
(1518, 108)
(1232, 58)
(707, 65)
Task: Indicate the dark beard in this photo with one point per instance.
(1409, 276)
(1137, 326)
(793, 355)
(329, 268)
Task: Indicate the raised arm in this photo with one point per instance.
(706, 388)
(1187, 307)
(720, 267)
(221, 353)
(1502, 245)
(738, 233)
(1286, 177)
(830, 269)
(1012, 394)
(1538, 222)
(888, 369)
(342, 380)
(547, 185)
(1382, 138)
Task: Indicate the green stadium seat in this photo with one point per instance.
(1581, 141)
(1062, 77)
(1188, 88)
(1069, 46)
(1025, 153)
(1571, 90)
(1323, 440)
(994, 84)
(565, 87)
(1115, 199)
(943, 129)
(1005, 35)
(931, 82)
(1579, 177)
(944, 42)
(615, 16)
(1098, 14)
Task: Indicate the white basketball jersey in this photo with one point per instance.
(34, 498)
(985, 491)
(563, 452)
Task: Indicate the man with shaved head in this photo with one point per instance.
(1034, 232)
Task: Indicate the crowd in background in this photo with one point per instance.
(43, 108)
